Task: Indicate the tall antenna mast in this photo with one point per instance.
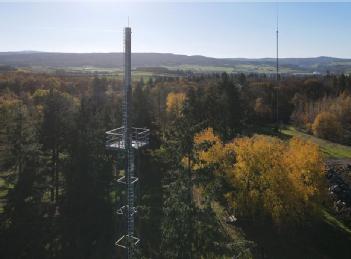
(126, 140)
(276, 114)
(277, 31)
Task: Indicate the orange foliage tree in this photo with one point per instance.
(268, 177)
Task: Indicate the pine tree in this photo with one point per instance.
(22, 229)
(56, 126)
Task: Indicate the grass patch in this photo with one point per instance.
(330, 149)
(333, 221)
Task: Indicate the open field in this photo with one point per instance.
(240, 68)
(172, 70)
(138, 74)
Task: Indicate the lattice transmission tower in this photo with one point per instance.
(126, 140)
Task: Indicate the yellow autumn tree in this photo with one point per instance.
(210, 151)
(175, 102)
(327, 126)
(283, 180)
(269, 177)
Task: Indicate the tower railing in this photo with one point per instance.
(115, 138)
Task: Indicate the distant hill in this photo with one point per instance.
(173, 61)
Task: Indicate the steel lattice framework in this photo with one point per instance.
(127, 140)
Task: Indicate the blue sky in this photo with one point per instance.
(192, 28)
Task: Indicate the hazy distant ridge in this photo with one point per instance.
(108, 60)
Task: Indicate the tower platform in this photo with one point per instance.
(115, 138)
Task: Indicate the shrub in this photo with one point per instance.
(327, 126)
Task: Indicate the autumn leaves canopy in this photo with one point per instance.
(268, 177)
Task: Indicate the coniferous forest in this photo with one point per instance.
(238, 166)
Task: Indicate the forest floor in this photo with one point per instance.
(324, 238)
(4, 188)
(3, 193)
